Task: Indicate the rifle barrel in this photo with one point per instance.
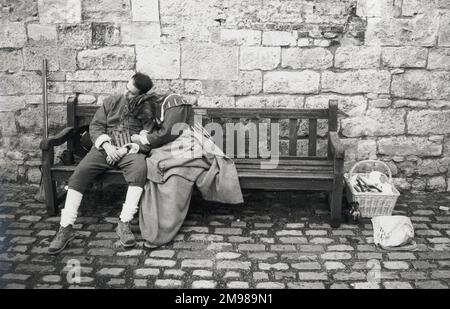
(44, 96)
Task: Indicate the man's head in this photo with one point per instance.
(137, 85)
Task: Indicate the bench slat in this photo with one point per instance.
(250, 167)
(284, 161)
(235, 138)
(294, 169)
(312, 137)
(286, 184)
(88, 110)
(263, 113)
(293, 137)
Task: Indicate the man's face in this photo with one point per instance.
(131, 91)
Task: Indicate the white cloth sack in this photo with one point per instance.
(392, 231)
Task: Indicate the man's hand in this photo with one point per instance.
(135, 138)
(113, 154)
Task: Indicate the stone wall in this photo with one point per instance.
(387, 62)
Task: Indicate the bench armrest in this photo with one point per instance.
(336, 148)
(57, 139)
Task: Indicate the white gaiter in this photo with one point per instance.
(70, 211)
(131, 205)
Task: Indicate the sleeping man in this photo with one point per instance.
(111, 129)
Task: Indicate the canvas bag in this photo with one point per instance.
(392, 231)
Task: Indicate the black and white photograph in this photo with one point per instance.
(225, 151)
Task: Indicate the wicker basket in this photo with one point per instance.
(371, 204)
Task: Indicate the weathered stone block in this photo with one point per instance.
(199, 19)
(410, 103)
(88, 87)
(39, 32)
(67, 59)
(379, 8)
(292, 82)
(18, 10)
(401, 184)
(166, 86)
(380, 103)
(361, 81)
(145, 34)
(398, 57)
(407, 168)
(446, 151)
(325, 12)
(436, 184)
(248, 82)
(11, 60)
(432, 167)
(428, 122)
(8, 170)
(259, 58)
(75, 36)
(57, 76)
(105, 34)
(199, 61)
(304, 42)
(421, 85)
(271, 101)
(33, 56)
(377, 122)
(275, 12)
(145, 10)
(352, 105)
(357, 57)
(279, 38)
(12, 35)
(159, 61)
(106, 10)
(115, 58)
(414, 7)
(97, 76)
(311, 58)
(57, 11)
(439, 59)
(356, 150)
(20, 83)
(7, 124)
(240, 37)
(439, 104)
(33, 175)
(12, 103)
(216, 101)
(443, 4)
(444, 29)
(30, 120)
(420, 30)
(404, 146)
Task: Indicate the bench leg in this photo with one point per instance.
(51, 200)
(336, 206)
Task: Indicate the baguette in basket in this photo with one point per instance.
(360, 189)
(375, 182)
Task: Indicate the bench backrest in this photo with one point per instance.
(296, 126)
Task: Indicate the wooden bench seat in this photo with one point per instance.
(292, 172)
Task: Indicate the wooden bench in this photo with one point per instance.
(293, 172)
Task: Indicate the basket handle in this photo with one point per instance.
(371, 161)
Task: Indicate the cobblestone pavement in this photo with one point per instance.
(276, 240)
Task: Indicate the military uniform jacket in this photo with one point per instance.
(118, 119)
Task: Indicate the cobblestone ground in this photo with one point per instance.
(276, 240)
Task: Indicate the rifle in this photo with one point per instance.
(40, 195)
